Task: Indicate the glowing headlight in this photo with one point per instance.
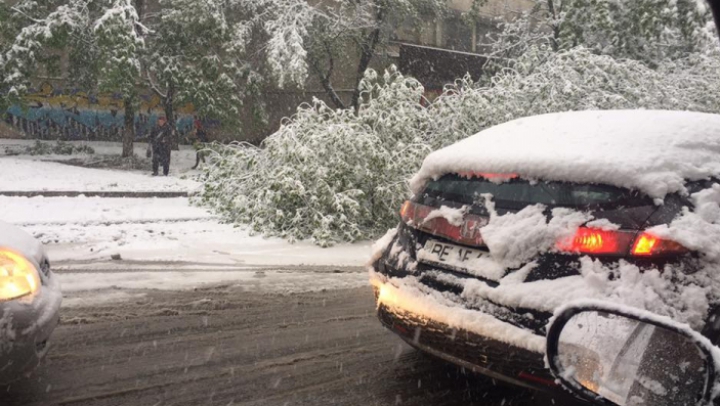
(18, 277)
(387, 295)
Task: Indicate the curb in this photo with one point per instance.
(59, 193)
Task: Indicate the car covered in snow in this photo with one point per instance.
(29, 303)
(508, 225)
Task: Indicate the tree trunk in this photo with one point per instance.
(168, 102)
(555, 28)
(326, 80)
(368, 51)
(140, 8)
(129, 131)
(331, 92)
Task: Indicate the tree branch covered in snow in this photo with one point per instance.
(326, 174)
(650, 31)
(301, 38)
(185, 53)
(544, 81)
(333, 176)
(193, 57)
(121, 47)
(38, 28)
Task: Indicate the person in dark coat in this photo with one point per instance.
(160, 138)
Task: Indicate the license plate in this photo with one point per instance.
(437, 252)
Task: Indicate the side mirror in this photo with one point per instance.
(619, 356)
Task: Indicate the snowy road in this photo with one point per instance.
(226, 346)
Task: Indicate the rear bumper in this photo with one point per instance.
(495, 359)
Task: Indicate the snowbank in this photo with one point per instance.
(20, 174)
(87, 211)
(181, 161)
(93, 228)
(654, 151)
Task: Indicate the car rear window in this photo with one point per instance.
(518, 193)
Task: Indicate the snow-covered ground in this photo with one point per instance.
(23, 174)
(181, 160)
(163, 243)
(86, 211)
(80, 229)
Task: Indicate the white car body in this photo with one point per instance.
(26, 323)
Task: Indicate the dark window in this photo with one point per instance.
(518, 193)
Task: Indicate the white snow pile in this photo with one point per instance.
(331, 175)
(654, 151)
(684, 291)
(89, 230)
(19, 174)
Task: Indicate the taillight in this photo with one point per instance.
(596, 241)
(468, 233)
(405, 211)
(488, 176)
(645, 244)
(648, 245)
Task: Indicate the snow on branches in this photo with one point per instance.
(325, 174)
(650, 31)
(330, 175)
(41, 29)
(121, 46)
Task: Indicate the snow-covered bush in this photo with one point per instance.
(651, 31)
(543, 81)
(326, 174)
(331, 175)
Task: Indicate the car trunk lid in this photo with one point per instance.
(451, 211)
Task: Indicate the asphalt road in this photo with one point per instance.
(221, 346)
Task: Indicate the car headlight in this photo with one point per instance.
(18, 276)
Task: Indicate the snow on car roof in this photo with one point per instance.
(649, 150)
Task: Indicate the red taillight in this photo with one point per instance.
(489, 176)
(416, 215)
(596, 241)
(647, 245)
(405, 211)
